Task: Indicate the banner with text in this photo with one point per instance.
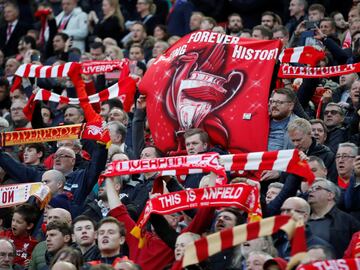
(212, 81)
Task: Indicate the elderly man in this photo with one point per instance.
(334, 118)
(299, 132)
(326, 220)
(7, 255)
(345, 157)
(78, 182)
(298, 208)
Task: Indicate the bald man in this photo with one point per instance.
(7, 254)
(298, 208)
(55, 180)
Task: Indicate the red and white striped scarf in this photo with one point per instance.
(283, 160)
(88, 67)
(220, 241)
(291, 72)
(302, 55)
(120, 90)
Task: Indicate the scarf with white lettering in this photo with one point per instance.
(243, 196)
(353, 264)
(91, 131)
(283, 160)
(12, 195)
(290, 72)
(214, 243)
(302, 55)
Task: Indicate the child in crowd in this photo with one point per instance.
(23, 221)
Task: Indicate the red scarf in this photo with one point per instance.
(207, 246)
(290, 72)
(351, 264)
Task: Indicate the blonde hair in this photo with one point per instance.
(152, 7)
(117, 12)
(118, 51)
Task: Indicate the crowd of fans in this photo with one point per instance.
(87, 226)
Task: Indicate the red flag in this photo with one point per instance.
(302, 55)
(213, 81)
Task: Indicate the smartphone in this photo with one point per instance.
(310, 25)
(35, 58)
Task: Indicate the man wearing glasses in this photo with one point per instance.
(344, 158)
(78, 182)
(281, 105)
(327, 221)
(299, 209)
(334, 118)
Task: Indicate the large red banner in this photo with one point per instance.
(216, 82)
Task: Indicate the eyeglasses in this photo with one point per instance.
(332, 112)
(61, 156)
(317, 188)
(344, 157)
(278, 102)
(288, 210)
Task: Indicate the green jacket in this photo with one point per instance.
(38, 257)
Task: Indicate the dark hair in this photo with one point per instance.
(158, 152)
(140, 23)
(39, 147)
(114, 102)
(97, 45)
(269, 13)
(83, 218)
(5, 216)
(204, 136)
(28, 212)
(73, 255)
(164, 29)
(29, 40)
(240, 219)
(327, 19)
(287, 92)
(137, 45)
(63, 36)
(234, 14)
(265, 31)
(318, 7)
(60, 226)
(321, 122)
(120, 225)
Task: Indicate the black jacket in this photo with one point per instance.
(324, 152)
(342, 227)
(336, 136)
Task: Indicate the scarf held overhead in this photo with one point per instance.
(11, 195)
(91, 131)
(351, 264)
(217, 242)
(243, 196)
(283, 160)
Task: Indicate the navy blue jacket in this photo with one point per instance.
(79, 182)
